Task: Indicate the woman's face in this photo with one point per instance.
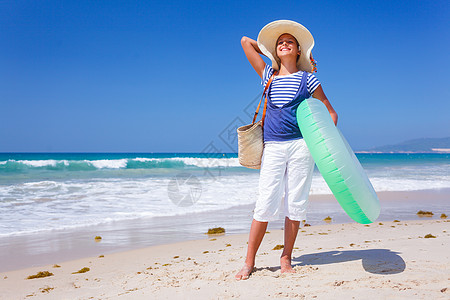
(287, 46)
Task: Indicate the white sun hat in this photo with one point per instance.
(268, 36)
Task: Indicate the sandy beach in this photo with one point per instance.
(383, 260)
(114, 165)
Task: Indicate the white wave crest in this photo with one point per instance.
(43, 163)
(210, 162)
(198, 162)
(108, 164)
(122, 163)
(144, 159)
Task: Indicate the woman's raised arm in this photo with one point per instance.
(252, 52)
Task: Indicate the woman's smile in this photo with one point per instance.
(285, 48)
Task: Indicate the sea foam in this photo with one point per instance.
(70, 191)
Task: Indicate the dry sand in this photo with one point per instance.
(389, 260)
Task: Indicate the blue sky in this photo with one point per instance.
(170, 76)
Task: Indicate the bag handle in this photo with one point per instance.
(265, 101)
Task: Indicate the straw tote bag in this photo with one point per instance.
(250, 137)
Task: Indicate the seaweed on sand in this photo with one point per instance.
(40, 274)
(83, 270)
(216, 230)
(422, 213)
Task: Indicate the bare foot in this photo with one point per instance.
(285, 264)
(244, 273)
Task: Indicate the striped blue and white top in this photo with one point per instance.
(285, 87)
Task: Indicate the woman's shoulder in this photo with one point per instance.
(310, 76)
(268, 70)
(267, 73)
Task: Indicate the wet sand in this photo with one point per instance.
(22, 251)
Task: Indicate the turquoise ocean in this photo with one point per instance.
(58, 191)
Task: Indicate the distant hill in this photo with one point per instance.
(424, 145)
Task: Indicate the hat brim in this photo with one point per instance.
(268, 36)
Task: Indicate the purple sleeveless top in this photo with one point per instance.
(280, 123)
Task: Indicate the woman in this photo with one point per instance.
(287, 166)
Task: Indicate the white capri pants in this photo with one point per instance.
(284, 181)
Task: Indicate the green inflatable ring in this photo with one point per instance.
(337, 163)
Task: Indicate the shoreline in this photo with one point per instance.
(381, 260)
(39, 249)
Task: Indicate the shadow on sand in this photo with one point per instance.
(376, 261)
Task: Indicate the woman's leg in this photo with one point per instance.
(298, 183)
(290, 234)
(271, 189)
(257, 231)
